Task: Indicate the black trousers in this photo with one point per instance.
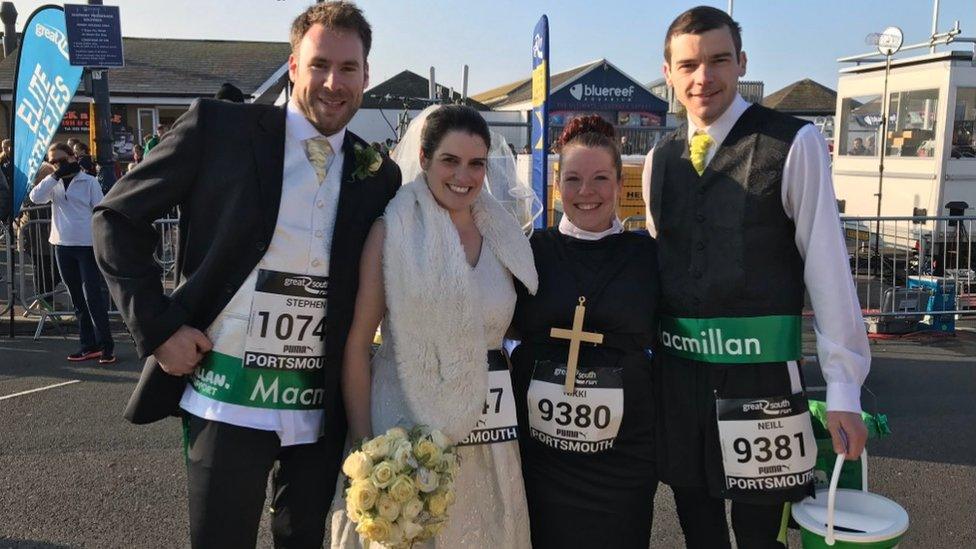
(227, 471)
(702, 518)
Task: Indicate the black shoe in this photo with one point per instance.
(83, 355)
(107, 358)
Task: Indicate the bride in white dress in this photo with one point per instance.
(437, 270)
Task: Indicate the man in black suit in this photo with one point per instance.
(275, 205)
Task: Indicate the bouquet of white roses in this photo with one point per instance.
(400, 485)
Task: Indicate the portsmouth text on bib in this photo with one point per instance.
(284, 351)
(584, 422)
(767, 443)
(737, 340)
(498, 422)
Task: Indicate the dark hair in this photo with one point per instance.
(333, 15)
(84, 148)
(229, 92)
(699, 20)
(63, 147)
(452, 118)
(593, 132)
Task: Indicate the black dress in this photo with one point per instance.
(588, 458)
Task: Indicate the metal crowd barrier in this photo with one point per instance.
(39, 289)
(911, 269)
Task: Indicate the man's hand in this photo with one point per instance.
(855, 433)
(180, 354)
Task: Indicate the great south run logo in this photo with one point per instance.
(602, 93)
(55, 36)
(711, 342)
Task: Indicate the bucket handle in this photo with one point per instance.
(832, 492)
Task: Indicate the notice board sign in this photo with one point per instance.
(94, 35)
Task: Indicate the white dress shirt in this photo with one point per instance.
(808, 200)
(71, 208)
(301, 244)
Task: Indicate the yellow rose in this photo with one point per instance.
(411, 509)
(433, 529)
(387, 508)
(383, 474)
(362, 495)
(447, 464)
(376, 529)
(437, 504)
(355, 513)
(376, 164)
(402, 489)
(397, 433)
(410, 529)
(440, 439)
(402, 454)
(377, 447)
(426, 480)
(426, 452)
(357, 466)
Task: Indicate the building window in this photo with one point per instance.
(860, 122)
(912, 123)
(964, 124)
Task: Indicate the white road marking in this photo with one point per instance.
(22, 393)
(24, 350)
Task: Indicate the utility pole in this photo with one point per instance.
(97, 85)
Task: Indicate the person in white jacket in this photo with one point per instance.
(73, 194)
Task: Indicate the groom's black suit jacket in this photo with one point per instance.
(222, 165)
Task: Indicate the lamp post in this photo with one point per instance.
(889, 42)
(97, 84)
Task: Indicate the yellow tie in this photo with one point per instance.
(320, 155)
(700, 143)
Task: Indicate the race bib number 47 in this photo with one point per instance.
(586, 421)
(767, 443)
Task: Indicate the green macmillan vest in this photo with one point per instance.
(731, 276)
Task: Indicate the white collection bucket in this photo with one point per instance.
(854, 519)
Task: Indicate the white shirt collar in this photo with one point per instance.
(720, 129)
(569, 229)
(300, 129)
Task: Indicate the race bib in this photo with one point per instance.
(767, 443)
(286, 328)
(284, 348)
(585, 422)
(498, 422)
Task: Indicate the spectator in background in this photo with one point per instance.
(5, 190)
(7, 161)
(152, 141)
(625, 146)
(33, 231)
(229, 92)
(73, 194)
(72, 141)
(858, 148)
(870, 146)
(526, 150)
(83, 154)
(136, 157)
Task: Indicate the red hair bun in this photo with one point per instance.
(586, 124)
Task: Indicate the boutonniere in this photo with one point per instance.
(368, 161)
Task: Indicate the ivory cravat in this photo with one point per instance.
(320, 155)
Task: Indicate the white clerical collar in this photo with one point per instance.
(300, 129)
(567, 228)
(720, 129)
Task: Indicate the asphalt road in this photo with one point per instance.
(74, 474)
